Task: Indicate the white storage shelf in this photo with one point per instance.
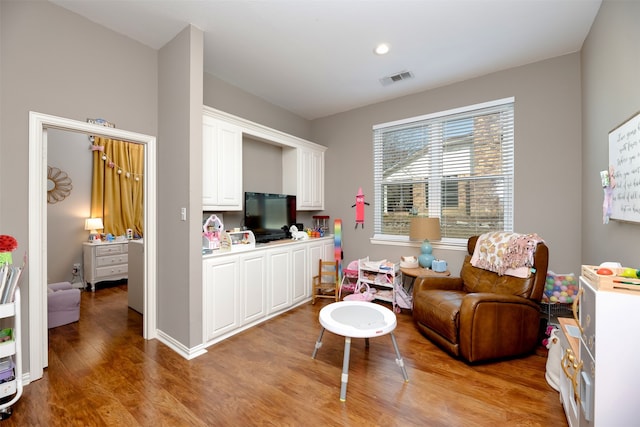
(381, 275)
(12, 349)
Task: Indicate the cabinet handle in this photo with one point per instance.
(575, 309)
(568, 361)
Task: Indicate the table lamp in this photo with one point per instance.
(93, 225)
(425, 228)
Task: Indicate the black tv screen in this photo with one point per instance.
(269, 215)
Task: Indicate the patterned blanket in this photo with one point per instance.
(506, 253)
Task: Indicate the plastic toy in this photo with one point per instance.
(360, 208)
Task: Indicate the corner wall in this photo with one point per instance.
(611, 95)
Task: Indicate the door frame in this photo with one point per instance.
(37, 252)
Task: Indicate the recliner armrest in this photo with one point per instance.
(423, 283)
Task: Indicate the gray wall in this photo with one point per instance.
(56, 62)
(68, 151)
(180, 186)
(611, 94)
(547, 156)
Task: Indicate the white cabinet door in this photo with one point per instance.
(279, 279)
(254, 286)
(221, 165)
(312, 179)
(300, 274)
(303, 175)
(221, 296)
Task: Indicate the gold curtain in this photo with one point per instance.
(117, 194)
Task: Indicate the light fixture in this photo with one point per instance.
(425, 228)
(93, 225)
(382, 49)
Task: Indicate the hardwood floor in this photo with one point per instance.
(102, 373)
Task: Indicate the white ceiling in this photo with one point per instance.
(315, 57)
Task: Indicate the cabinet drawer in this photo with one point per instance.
(110, 250)
(111, 260)
(114, 270)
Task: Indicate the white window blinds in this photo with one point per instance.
(456, 165)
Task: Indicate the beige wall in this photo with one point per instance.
(547, 156)
(611, 94)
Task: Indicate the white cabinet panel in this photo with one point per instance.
(279, 271)
(254, 286)
(300, 277)
(303, 175)
(221, 296)
(221, 165)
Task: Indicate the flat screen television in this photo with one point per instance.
(269, 215)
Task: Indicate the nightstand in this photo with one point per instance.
(105, 261)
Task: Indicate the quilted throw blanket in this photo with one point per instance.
(506, 253)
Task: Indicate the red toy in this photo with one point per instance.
(360, 208)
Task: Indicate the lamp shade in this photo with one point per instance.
(423, 227)
(93, 224)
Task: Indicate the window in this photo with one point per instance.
(456, 165)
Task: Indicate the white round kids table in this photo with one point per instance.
(357, 319)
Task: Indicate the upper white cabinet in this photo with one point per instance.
(302, 163)
(221, 165)
(303, 175)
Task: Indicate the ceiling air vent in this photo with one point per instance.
(403, 75)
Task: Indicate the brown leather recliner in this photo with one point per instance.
(481, 315)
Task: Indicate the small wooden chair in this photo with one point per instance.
(326, 282)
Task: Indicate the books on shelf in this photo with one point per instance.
(9, 278)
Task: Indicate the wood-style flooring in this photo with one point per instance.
(103, 373)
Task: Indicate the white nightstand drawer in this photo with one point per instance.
(111, 260)
(110, 250)
(111, 271)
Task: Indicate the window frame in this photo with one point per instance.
(435, 197)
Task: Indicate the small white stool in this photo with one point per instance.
(357, 319)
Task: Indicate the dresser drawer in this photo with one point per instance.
(111, 260)
(115, 270)
(110, 250)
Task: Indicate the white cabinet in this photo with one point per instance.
(221, 295)
(303, 175)
(607, 374)
(253, 272)
(279, 271)
(221, 165)
(299, 274)
(105, 261)
(241, 290)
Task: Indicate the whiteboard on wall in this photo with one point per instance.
(624, 167)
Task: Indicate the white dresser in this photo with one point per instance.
(105, 261)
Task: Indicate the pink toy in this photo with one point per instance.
(360, 208)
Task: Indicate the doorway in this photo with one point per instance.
(37, 265)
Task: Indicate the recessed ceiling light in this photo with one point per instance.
(382, 49)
